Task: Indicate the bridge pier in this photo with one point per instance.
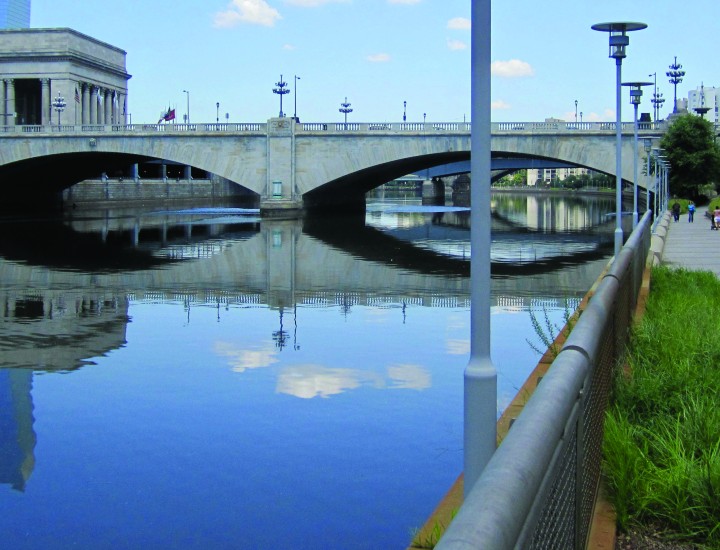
(433, 189)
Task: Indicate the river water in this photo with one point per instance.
(201, 378)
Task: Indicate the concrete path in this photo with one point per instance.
(694, 245)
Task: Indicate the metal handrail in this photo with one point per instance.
(535, 490)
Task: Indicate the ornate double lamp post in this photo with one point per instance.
(676, 75)
(635, 95)
(345, 109)
(59, 105)
(657, 99)
(619, 40)
(281, 89)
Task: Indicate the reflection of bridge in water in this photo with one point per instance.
(58, 311)
(221, 260)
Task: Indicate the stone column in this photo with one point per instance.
(92, 105)
(45, 111)
(188, 172)
(85, 99)
(10, 118)
(3, 103)
(108, 107)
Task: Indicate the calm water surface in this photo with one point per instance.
(204, 379)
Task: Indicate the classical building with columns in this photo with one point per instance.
(40, 69)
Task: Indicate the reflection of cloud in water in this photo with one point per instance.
(458, 347)
(308, 381)
(241, 359)
(411, 377)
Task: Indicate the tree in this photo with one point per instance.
(694, 157)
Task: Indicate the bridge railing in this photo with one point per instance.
(539, 487)
(223, 127)
(413, 128)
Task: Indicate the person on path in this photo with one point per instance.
(691, 212)
(716, 216)
(676, 211)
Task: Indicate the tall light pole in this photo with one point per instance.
(217, 112)
(188, 106)
(676, 77)
(59, 105)
(635, 96)
(619, 40)
(480, 378)
(647, 142)
(295, 98)
(345, 109)
(281, 90)
(404, 110)
(576, 111)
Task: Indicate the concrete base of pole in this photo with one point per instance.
(480, 413)
(618, 241)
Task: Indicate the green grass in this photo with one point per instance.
(662, 431)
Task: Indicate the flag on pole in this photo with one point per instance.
(167, 116)
(77, 95)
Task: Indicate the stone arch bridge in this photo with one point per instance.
(292, 165)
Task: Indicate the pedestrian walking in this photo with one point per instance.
(716, 216)
(676, 211)
(691, 212)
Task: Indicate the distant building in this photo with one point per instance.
(547, 175)
(39, 65)
(705, 97)
(14, 14)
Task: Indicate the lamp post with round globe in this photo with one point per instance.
(635, 96)
(619, 41)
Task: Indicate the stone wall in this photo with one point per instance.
(145, 190)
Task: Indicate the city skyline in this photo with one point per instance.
(390, 58)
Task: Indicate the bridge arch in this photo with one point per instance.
(312, 162)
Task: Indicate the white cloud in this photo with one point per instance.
(253, 12)
(513, 68)
(313, 3)
(456, 44)
(608, 115)
(288, 47)
(459, 23)
(499, 105)
(378, 58)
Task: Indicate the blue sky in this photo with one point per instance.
(381, 53)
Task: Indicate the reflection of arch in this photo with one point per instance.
(373, 245)
(17, 436)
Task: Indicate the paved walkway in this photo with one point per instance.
(694, 245)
